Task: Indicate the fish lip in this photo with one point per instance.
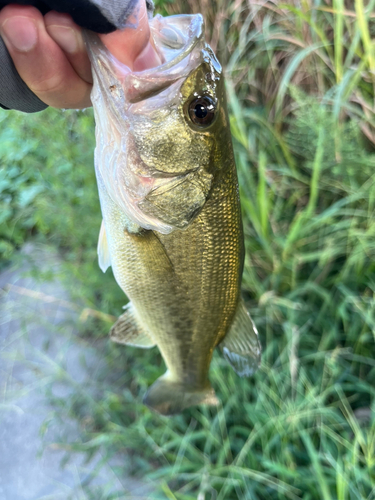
(147, 94)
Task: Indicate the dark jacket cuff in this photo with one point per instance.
(14, 93)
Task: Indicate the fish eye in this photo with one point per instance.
(202, 111)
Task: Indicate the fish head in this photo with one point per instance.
(160, 133)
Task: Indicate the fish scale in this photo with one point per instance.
(214, 285)
(172, 227)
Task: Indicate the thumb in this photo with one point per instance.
(133, 45)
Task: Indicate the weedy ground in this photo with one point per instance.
(300, 80)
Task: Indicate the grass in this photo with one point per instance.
(300, 81)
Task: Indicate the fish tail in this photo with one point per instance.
(169, 397)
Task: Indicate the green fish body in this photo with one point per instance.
(172, 226)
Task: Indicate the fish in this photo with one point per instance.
(169, 195)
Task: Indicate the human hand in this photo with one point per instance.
(50, 56)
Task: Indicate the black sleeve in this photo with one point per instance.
(85, 13)
(101, 16)
(14, 93)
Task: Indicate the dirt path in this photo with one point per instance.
(32, 343)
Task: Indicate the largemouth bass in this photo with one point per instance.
(172, 228)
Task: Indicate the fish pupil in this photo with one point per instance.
(200, 111)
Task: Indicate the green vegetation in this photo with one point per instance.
(48, 190)
(301, 93)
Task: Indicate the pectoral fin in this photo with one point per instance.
(241, 347)
(103, 250)
(177, 201)
(127, 330)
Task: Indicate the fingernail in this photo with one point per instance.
(21, 32)
(148, 58)
(65, 37)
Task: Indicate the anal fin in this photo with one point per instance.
(127, 330)
(241, 346)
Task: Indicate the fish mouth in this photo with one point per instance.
(176, 36)
(179, 41)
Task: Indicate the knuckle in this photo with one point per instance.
(47, 84)
(60, 94)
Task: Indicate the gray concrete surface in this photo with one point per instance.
(37, 335)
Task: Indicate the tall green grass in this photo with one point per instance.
(325, 48)
(300, 89)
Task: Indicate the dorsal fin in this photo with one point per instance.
(241, 347)
(103, 250)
